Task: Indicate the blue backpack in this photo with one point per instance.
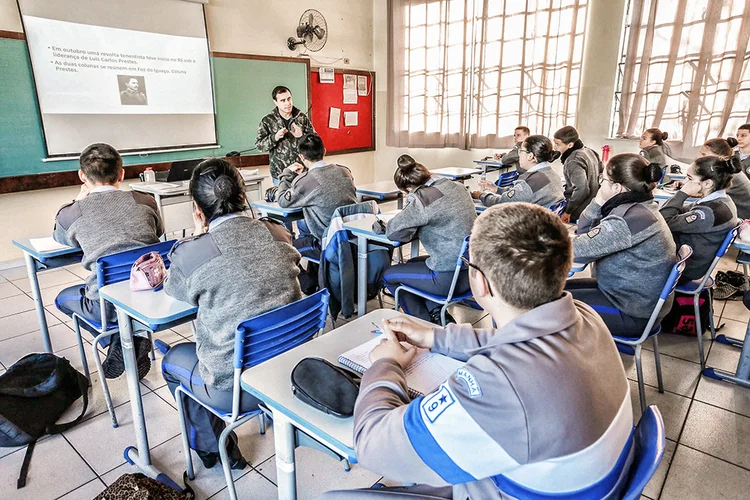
(34, 393)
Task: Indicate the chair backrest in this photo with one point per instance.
(459, 265)
(559, 207)
(274, 332)
(649, 451)
(115, 267)
(506, 178)
(728, 240)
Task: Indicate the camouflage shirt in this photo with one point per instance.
(284, 152)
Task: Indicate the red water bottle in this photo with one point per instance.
(605, 153)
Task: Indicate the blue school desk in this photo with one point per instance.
(158, 311)
(277, 212)
(38, 261)
(459, 174)
(380, 191)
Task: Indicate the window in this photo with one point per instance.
(466, 73)
(684, 69)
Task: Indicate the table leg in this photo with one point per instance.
(400, 202)
(260, 190)
(743, 365)
(38, 303)
(283, 437)
(160, 209)
(414, 248)
(141, 455)
(361, 276)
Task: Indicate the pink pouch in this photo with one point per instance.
(148, 272)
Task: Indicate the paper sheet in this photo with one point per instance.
(350, 96)
(47, 244)
(361, 85)
(334, 118)
(350, 81)
(351, 118)
(326, 74)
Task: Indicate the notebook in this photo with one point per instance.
(47, 244)
(423, 375)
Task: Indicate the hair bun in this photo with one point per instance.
(223, 187)
(732, 142)
(652, 172)
(664, 136)
(406, 161)
(554, 155)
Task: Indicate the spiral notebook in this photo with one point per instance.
(423, 375)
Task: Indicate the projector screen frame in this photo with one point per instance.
(134, 151)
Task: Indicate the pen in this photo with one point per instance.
(379, 329)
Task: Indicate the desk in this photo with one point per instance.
(171, 199)
(380, 190)
(274, 210)
(158, 311)
(37, 261)
(456, 173)
(491, 165)
(362, 229)
(269, 382)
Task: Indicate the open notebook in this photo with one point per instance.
(425, 373)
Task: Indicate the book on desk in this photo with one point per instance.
(423, 375)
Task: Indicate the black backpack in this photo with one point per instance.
(34, 393)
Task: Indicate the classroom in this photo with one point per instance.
(409, 249)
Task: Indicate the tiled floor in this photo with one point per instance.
(707, 422)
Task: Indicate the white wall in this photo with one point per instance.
(244, 26)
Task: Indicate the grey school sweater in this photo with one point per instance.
(581, 170)
(744, 162)
(739, 191)
(539, 185)
(634, 253)
(107, 222)
(702, 225)
(240, 268)
(319, 192)
(655, 154)
(441, 214)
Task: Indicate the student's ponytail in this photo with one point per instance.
(717, 169)
(652, 173)
(732, 142)
(218, 188)
(658, 136)
(634, 172)
(541, 147)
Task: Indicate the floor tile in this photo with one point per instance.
(118, 391)
(318, 473)
(14, 273)
(106, 454)
(85, 492)
(48, 279)
(78, 270)
(697, 476)
(724, 395)
(678, 346)
(25, 322)
(466, 314)
(185, 329)
(154, 379)
(251, 485)
(7, 289)
(15, 304)
(47, 479)
(11, 350)
(673, 408)
(657, 481)
(680, 376)
(736, 310)
(718, 432)
(723, 357)
(166, 395)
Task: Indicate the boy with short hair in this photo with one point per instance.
(510, 159)
(542, 402)
(103, 220)
(581, 167)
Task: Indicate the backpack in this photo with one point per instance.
(729, 284)
(34, 393)
(681, 318)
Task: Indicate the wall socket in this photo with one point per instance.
(346, 60)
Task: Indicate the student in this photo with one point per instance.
(622, 231)
(743, 147)
(103, 220)
(539, 184)
(233, 268)
(704, 224)
(653, 147)
(318, 188)
(739, 190)
(440, 213)
(581, 167)
(525, 413)
(510, 159)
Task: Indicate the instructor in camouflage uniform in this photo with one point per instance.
(280, 130)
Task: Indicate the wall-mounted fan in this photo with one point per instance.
(312, 32)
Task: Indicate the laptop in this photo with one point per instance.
(182, 170)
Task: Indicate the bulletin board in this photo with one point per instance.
(324, 96)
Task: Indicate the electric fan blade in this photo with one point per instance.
(319, 32)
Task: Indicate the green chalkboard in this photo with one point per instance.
(242, 93)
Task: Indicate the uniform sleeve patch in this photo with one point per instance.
(691, 218)
(511, 193)
(435, 405)
(288, 195)
(594, 232)
(471, 382)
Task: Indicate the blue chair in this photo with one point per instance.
(559, 207)
(633, 346)
(111, 269)
(648, 440)
(695, 288)
(445, 300)
(257, 340)
(506, 179)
